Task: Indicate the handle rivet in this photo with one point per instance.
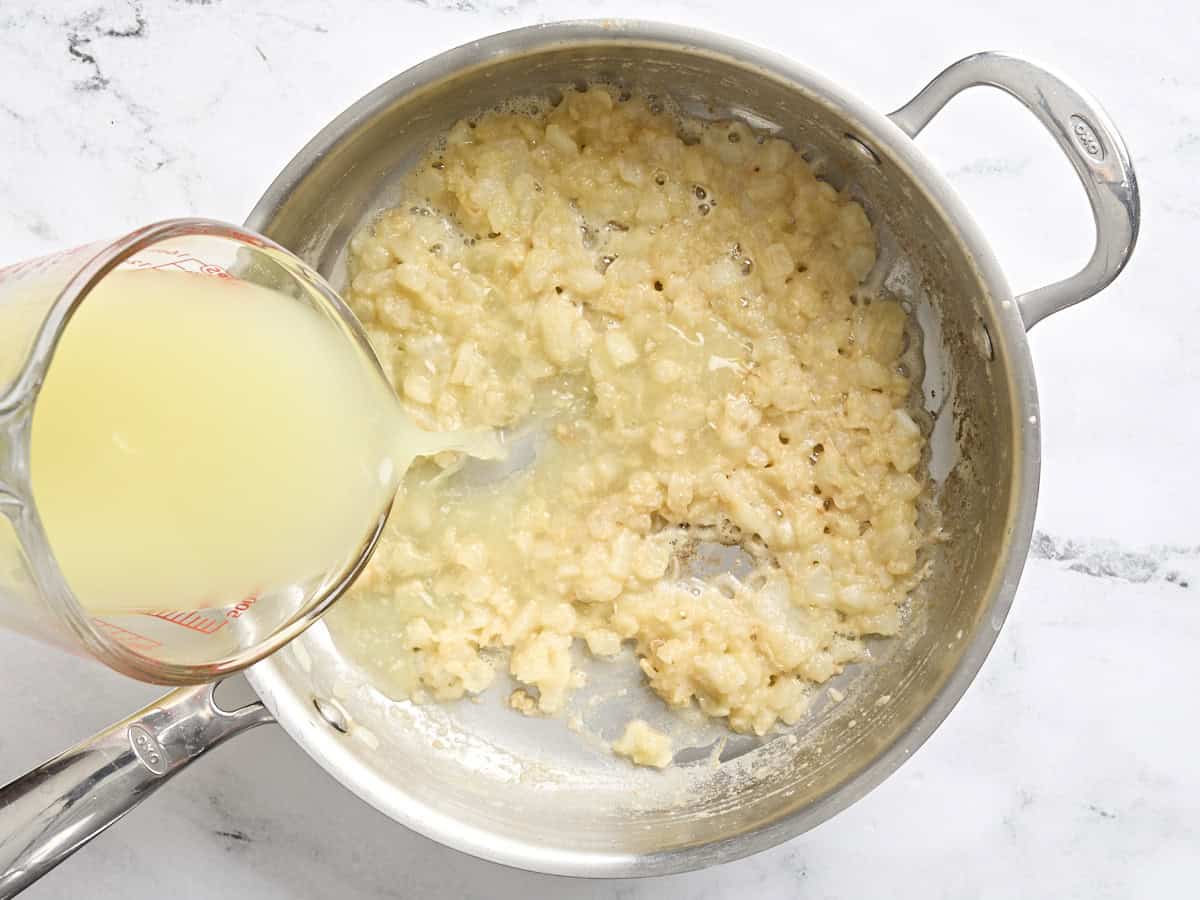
(983, 341)
(862, 148)
(333, 714)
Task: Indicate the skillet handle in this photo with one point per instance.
(52, 811)
(1089, 139)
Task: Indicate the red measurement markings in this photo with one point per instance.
(166, 258)
(130, 639)
(191, 620)
(239, 608)
(41, 263)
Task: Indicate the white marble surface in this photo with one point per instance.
(1069, 769)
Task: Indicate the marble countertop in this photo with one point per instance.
(1068, 770)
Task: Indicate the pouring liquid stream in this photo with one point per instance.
(201, 440)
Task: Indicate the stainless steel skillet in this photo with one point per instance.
(528, 793)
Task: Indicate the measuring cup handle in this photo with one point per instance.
(52, 811)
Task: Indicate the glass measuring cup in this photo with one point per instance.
(37, 300)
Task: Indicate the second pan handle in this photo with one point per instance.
(1088, 138)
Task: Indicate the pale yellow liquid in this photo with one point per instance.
(202, 440)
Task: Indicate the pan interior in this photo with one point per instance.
(477, 775)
